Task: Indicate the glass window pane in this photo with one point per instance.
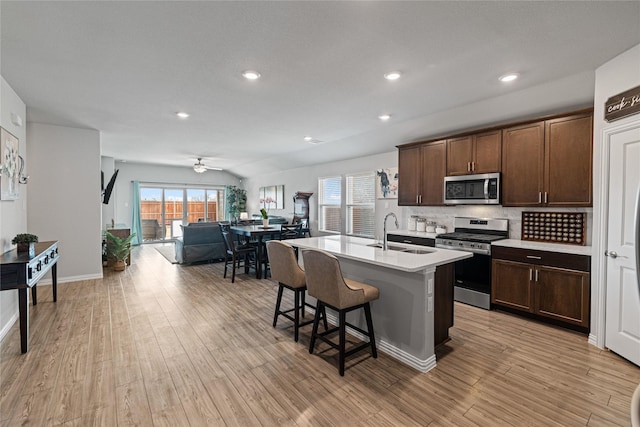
(361, 221)
(173, 200)
(361, 189)
(213, 205)
(330, 191)
(331, 218)
(330, 204)
(195, 205)
(151, 204)
(361, 197)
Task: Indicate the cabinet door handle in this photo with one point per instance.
(420, 199)
(534, 257)
(537, 271)
(546, 197)
(473, 166)
(468, 166)
(417, 199)
(539, 197)
(530, 274)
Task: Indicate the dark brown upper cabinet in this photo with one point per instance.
(474, 154)
(548, 163)
(421, 172)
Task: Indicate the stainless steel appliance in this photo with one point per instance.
(482, 189)
(473, 275)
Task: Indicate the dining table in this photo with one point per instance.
(258, 233)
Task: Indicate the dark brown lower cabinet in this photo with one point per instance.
(546, 284)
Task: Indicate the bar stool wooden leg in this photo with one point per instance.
(341, 349)
(278, 301)
(316, 320)
(372, 338)
(296, 315)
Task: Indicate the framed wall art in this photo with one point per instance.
(9, 151)
(272, 197)
(387, 183)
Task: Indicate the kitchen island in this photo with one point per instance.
(415, 308)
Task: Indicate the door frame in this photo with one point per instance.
(597, 334)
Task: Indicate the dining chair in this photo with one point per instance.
(236, 254)
(290, 231)
(327, 285)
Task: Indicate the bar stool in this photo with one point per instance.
(285, 269)
(326, 283)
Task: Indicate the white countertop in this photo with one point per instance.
(356, 248)
(422, 234)
(542, 246)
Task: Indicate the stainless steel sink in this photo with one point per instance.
(401, 249)
(417, 251)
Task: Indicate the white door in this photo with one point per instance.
(623, 289)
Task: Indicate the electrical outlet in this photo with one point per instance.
(430, 286)
(430, 304)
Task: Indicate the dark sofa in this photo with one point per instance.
(200, 241)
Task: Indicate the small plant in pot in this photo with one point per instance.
(25, 242)
(119, 249)
(265, 217)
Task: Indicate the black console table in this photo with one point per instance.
(20, 271)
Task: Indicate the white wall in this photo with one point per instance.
(146, 173)
(618, 75)
(64, 196)
(13, 213)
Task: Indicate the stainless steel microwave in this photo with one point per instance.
(482, 189)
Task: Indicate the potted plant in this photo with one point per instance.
(265, 218)
(25, 242)
(236, 201)
(119, 249)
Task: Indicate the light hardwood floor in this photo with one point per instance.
(171, 345)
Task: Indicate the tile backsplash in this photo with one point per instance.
(444, 215)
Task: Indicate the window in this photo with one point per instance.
(360, 201)
(355, 202)
(170, 207)
(330, 204)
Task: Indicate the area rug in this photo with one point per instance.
(169, 252)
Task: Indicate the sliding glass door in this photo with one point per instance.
(164, 209)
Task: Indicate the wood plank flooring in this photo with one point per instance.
(171, 345)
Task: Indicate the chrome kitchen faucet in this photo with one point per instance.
(384, 237)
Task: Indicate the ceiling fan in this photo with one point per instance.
(200, 167)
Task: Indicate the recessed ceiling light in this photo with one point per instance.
(308, 138)
(508, 77)
(393, 75)
(182, 115)
(384, 117)
(251, 75)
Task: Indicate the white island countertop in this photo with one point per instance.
(357, 248)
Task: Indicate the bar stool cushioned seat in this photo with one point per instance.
(285, 269)
(326, 283)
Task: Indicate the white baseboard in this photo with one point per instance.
(68, 279)
(593, 340)
(5, 330)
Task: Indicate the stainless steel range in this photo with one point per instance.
(473, 275)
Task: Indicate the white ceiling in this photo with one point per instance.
(125, 69)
